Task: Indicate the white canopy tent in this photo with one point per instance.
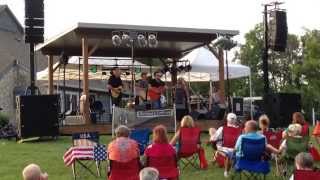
(205, 67)
(103, 65)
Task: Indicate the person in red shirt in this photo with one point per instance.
(161, 155)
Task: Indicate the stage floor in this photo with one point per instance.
(107, 128)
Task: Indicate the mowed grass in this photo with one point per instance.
(48, 154)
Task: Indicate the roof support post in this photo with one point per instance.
(221, 75)
(218, 53)
(85, 55)
(50, 74)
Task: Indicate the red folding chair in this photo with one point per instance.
(166, 165)
(273, 138)
(229, 139)
(304, 174)
(128, 170)
(189, 146)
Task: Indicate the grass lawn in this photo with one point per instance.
(48, 154)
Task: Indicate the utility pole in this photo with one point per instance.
(265, 57)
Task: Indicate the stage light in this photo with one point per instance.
(152, 40)
(116, 40)
(188, 68)
(126, 40)
(181, 68)
(141, 39)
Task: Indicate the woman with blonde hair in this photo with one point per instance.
(186, 122)
(264, 123)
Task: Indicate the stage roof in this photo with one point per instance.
(172, 42)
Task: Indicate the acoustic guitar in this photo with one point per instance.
(115, 92)
(154, 93)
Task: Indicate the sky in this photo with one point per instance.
(239, 15)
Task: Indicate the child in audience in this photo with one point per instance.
(33, 172)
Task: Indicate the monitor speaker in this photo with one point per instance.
(278, 30)
(37, 116)
(280, 106)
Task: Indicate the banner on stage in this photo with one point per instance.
(155, 113)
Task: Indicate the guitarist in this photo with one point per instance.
(156, 89)
(115, 86)
(141, 88)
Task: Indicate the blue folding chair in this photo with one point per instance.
(251, 164)
(142, 138)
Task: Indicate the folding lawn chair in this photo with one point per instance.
(285, 164)
(166, 165)
(251, 164)
(305, 174)
(142, 138)
(89, 153)
(124, 170)
(188, 149)
(229, 139)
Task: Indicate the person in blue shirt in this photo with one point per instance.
(251, 132)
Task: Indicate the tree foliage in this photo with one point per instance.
(295, 70)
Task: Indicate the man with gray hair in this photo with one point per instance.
(123, 149)
(149, 173)
(303, 161)
(217, 137)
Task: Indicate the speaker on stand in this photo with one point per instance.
(278, 30)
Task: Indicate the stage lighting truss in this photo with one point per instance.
(134, 38)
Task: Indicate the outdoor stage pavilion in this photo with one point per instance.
(89, 39)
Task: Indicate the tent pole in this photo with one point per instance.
(50, 72)
(85, 53)
(250, 84)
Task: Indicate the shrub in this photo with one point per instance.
(4, 119)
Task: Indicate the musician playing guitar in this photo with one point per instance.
(141, 88)
(115, 86)
(156, 89)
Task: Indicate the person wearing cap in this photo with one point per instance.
(115, 86)
(217, 135)
(33, 172)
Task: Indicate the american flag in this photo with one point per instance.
(96, 153)
(78, 152)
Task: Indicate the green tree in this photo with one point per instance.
(307, 71)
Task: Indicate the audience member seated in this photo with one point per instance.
(149, 173)
(251, 132)
(161, 155)
(123, 149)
(186, 122)
(293, 132)
(297, 118)
(303, 161)
(33, 172)
(264, 123)
(226, 149)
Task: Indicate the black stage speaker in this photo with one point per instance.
(37, 116)
(237, 106)
(34, 21)
(280, 107)
(278, 30)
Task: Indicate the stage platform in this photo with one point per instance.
(107, 128)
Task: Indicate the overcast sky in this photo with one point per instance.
(239, 15)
